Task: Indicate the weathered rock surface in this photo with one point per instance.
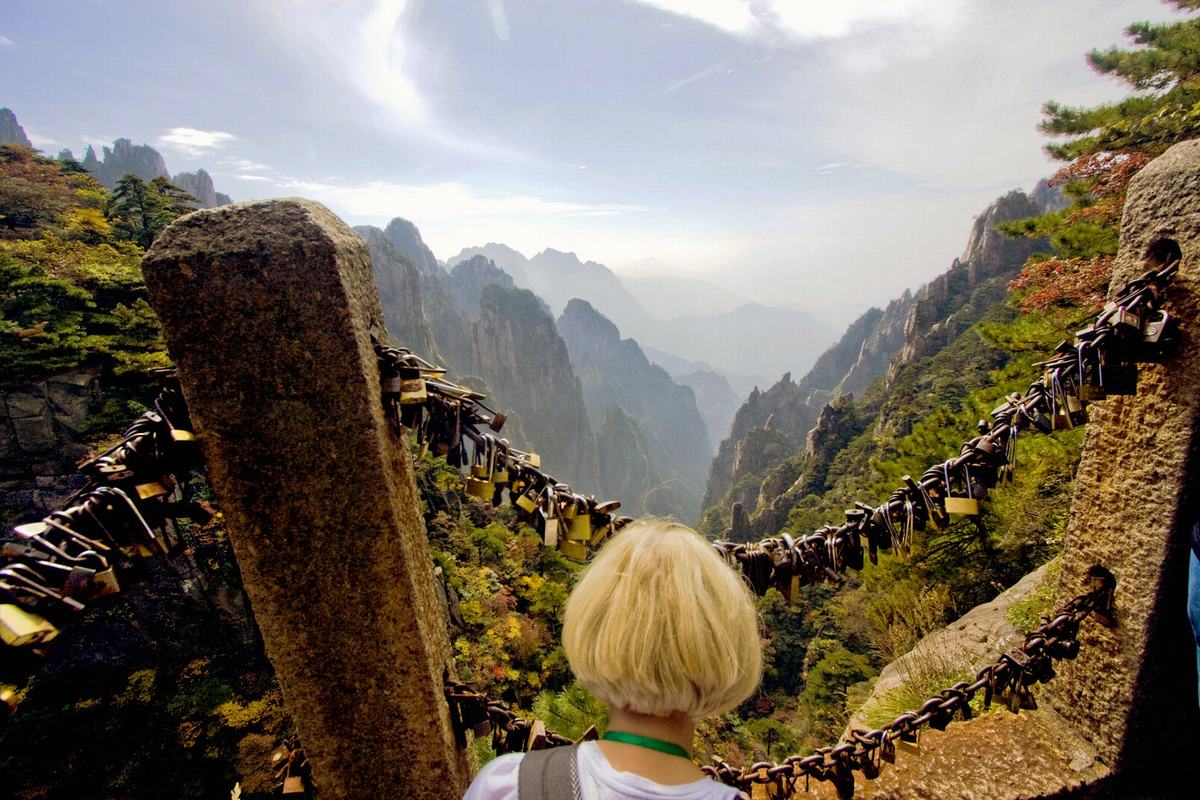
(400, 295)
(1132, 690)
(613, 370)
(122, 158)
(466, 280)
(973, 640)
(199, 184)
(11, 131)
(715, 400)
(42, 438)
(250, 297)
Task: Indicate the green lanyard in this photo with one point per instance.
(670, 748)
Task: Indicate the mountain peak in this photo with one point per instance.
(11, 131)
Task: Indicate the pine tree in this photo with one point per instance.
(1106, 146)
(140, 211)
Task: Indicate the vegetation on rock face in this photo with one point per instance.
(1105, 146)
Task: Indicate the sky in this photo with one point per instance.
(821, 155)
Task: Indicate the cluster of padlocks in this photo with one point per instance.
(451, 421)
(52, 568)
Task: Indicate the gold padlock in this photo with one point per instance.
(527, 501)
(579, 527)
(19, 628)
(147, 491)
(293, 784)
(534, 460)
(413, 392)
(483, 489)
(576, 551)
(962, 505)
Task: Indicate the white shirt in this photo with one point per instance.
(598, 780)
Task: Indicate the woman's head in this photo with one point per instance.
(659, 624)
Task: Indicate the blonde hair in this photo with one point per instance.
(659, 624)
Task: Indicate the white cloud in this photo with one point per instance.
(245, 165)
(192, 142)
(441, 201)
(733, 16)
(42, 142)
(6, 42)
(499, 19)
(808, 18)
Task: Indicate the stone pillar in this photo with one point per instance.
(1132, 691)
(266, 308)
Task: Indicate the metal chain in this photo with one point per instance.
(1102, 361)
(1010, 679)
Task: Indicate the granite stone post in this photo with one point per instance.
(267, 308)
(1132, 691)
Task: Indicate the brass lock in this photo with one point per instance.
(959, 504)
(527, 501)
(576, 551)
(20, 628)
(579, 526)
(148, 491)
(413, 392)
(293, 784)
(483, 489)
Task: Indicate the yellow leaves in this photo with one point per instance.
(529, 585)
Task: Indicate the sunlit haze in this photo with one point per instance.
(798, 153)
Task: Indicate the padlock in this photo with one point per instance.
(576, 551)
(19, 628)
(547, 527)
(959, 504)
(148, 491)
(293, 784)
(478, 487)
(413, 392)
(527, 501)
(1122, 318)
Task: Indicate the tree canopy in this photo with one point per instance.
(1106, 145)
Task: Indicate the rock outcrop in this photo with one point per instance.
(124, 157)
(400, 294)
(11, 131)
(464, 284)
(612, 371)
(509, 260)
(526, 364)
(199, 184)
(407, 239)
(715, 399)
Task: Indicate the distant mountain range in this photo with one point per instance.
(124, 157)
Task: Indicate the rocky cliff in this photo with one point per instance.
(451, 330)
(509, 260)
(122, 158)
(614, 371)
(199, 184)
(11, 131)
(400, 295)
(466, 279)
(526, 365)
(715, 400)
(880, 343)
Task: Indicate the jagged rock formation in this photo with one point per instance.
(464, 284)
(955, 300)
(11, 131)
(199, 184)
(837, 424)
(526, 364)
(715, 399)
(400, 294)
(450, 329)
(1049, 198)
(122, 158)
(407, 239)
(613, 370)
(509, 260)
(879, 343)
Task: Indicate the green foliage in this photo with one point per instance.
(1026, 615)
(140, 211)
(1106, 146)
(571, 711)
(66, 303)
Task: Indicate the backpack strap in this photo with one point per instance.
(548, 774)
